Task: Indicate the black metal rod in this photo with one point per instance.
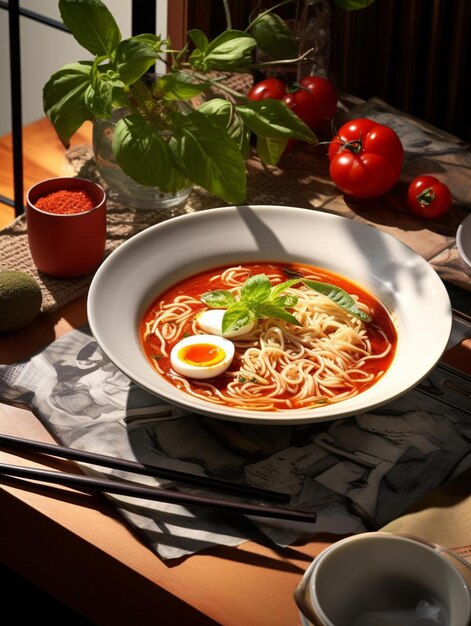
(8, 201)
(153, 493)
(143, 17)
(210, 482)
(16, 113)
(36, 17)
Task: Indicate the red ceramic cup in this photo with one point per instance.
(70, 244)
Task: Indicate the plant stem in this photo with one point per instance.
(227, 11)
(283, 61)
(217, 82)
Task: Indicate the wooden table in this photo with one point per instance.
(35, 166)
(78, 549)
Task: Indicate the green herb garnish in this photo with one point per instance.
(339, 296)
(258, 299)
(244, 379)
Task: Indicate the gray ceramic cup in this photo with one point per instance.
(383, 578)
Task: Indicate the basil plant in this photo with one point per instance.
(159, 142)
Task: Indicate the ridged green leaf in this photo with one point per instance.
(209, 157)
(64, 99)
(91, 24)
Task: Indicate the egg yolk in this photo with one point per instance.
(201, 354)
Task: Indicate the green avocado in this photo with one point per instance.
(20, 300)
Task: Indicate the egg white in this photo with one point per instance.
(202, 371)
(211, 322)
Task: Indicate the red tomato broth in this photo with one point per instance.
(199, 284)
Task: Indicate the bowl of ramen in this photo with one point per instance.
(269, 314)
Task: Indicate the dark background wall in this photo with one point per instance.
(414, 54)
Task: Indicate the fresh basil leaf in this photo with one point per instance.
(274, 36)
(268, 310)
(218, 110)
(242, 135)
(277, 290)
(142, 153)
(258, 299)
(222, 112)
(236, 316)
(272, 118)
(120, 97)
(218, 299)
(101, 93)
(91, 24)
(256, 288)
(287, 301)
(199, 39)
(270, 150)
(99, 99)
(339, 296)
(229, 51)
(179, 86)
(153, 41)
(64, 99)
(209, 157)
(132, 59)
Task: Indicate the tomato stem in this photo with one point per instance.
(354, 145)
(426, 197)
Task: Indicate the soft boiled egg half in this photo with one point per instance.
(202, 356)
(211, 322)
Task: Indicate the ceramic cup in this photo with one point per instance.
(66, 245)
(382, 578)
(463, 240)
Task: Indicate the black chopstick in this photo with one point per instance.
(152, 493)
(210, 482)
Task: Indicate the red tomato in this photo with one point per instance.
(268, 88)
(428, 197)
(301, 103)
(324, 96)
(365, 158)
(315, 101)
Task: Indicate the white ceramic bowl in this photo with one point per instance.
(463, 240)
(150, 262)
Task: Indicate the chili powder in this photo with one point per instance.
(65, 202)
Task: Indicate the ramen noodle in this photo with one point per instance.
(330, 357)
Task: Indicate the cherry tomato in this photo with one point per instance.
(301, 103)
(428, 197)
(365, 158)
(268, 88)
(324, 96)
(315, 102)
(314, 99)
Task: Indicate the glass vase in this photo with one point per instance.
(127, 190)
